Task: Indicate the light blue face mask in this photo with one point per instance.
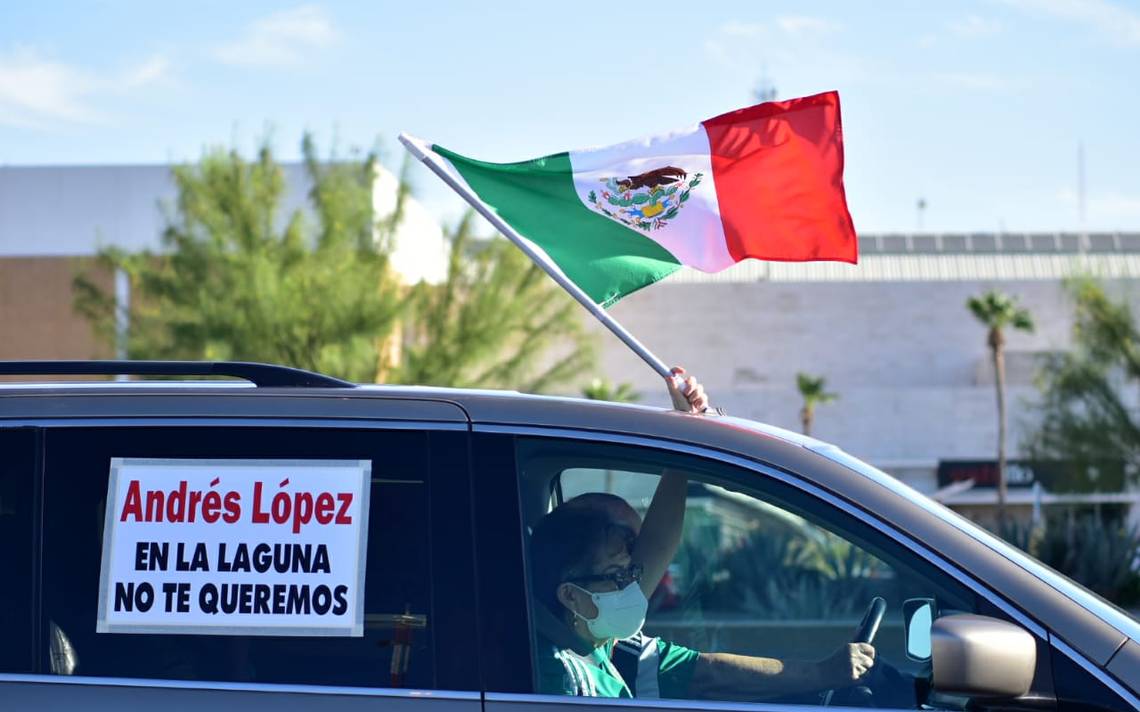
(620, 613)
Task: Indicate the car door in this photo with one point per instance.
(768, 567)
(407, 650)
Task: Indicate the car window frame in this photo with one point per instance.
(800, 481)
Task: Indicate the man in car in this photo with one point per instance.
(594, 566)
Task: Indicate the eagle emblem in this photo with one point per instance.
(646, 201)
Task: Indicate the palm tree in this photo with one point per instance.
(998, 311)
(813, 390)
(602, 389)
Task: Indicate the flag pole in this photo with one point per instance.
(428, 158)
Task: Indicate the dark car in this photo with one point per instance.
(295, 541)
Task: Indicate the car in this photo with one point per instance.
(293, 540)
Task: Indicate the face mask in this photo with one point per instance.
(620, 613)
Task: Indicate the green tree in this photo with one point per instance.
(1086, 429)
(997, 312)
(497, 321)
(234, 282)
(602, 389)
(813, 390)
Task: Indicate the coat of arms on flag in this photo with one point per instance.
(648, 200)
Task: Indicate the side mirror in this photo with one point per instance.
(918, 617)
(977, 656)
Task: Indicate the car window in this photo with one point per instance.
(17, 468)
(394, 648)
(761, 570)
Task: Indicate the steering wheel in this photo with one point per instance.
(865, 633)
(860, 695)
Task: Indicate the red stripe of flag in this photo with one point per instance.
(778, 171)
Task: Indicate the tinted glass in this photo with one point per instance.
(398, 602)
(761, 570)
(17, 467)
(1077, 689)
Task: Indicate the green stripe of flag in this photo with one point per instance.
(537, 198)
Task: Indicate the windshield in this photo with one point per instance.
(1087, 599)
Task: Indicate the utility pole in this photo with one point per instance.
(1083, 236)
(765, 90)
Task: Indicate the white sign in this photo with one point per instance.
(235, 547)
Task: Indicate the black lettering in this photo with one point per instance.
(261, 598)
(241, 558)
(322, 599)
(321, 561)
(124, 596)
(144, 597)
(180, 562)
(208, 599)
(298, 600)
(341, 595)
(262, 558)
(200, 562)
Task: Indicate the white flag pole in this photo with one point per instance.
(428, 158)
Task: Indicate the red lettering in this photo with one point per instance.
(233, 507)
(211, 503)
(302, 510)
(259, 517)
(154, 499)
(195, 500)
(176, 504)
(324, 508)
(132, 506)
(342, 515)
(281, 507)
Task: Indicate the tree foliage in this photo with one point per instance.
(236, 282)
(813, 391)
(602, 389)
(496, 322)
(1087, 429)
(997, 312)
(237, 279)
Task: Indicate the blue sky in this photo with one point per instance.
(976, 106)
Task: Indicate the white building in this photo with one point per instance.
(70, 211)
(892, 336)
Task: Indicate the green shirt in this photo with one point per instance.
(662, 670)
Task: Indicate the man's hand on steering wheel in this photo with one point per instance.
(847, 665)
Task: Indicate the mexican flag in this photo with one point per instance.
(764, 182)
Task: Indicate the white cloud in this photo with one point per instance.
(282, 39)
(802, 25)
(1117, 24)
(978, 81)
(1104, 208)
(36, 91)
(973, 26)
(798, 45)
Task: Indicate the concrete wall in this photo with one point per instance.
(75, 210)
(36, 318)
(909, 362)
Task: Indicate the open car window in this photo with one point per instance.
(762, 570)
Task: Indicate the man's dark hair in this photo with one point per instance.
(564, 545)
